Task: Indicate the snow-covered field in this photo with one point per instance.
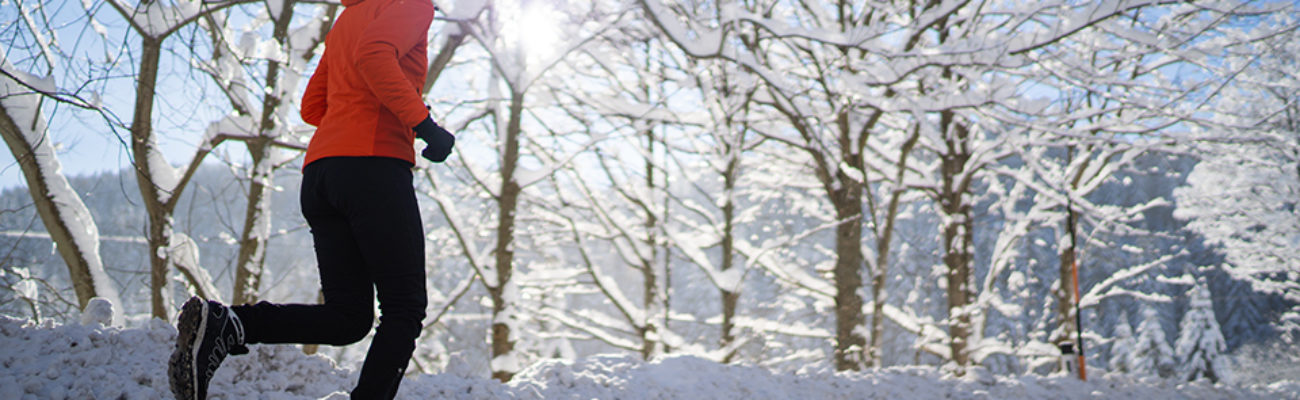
(93, 362)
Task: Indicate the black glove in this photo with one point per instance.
(438, 141)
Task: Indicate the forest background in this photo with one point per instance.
(791, 184)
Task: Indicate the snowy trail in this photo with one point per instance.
(91, 362)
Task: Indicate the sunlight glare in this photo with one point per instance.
(534, 26)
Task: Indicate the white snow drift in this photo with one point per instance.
(92, 361)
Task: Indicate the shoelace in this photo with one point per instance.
(223, 345)
(239, 326)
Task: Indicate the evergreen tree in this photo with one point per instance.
(1200, 346)
(1151, 355)
(1121, 351)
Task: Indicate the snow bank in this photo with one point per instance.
(97, 362)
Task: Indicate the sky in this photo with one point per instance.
(90, 148)
(83, 140)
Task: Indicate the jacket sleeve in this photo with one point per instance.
(393, 33)
(313, 99)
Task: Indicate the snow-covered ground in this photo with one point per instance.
(93, 362)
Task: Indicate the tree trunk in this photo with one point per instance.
(160, 188)
(849, 342)
(257, 224)
(730, 297)
(142, 148)
(1065, 296)
(257, 217)
(957, 257)
(957, 235)
(502, 341)
(884, 238)
(650, 327)
(850, 345)
(651, 296)
(65, 217)
(1066, 327)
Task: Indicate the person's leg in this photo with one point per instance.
(347, 314)
(207, 332)
(366, 224)
(385, 220)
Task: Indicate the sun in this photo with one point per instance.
(533, 26)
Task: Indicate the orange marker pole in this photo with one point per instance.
(1078, 323)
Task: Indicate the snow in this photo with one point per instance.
(24, 108)
(704, 43)
(852, 172)
(156, 19)
(275, 7)
(465, 9)
(183, 253)
(1200, 346)
(51, 361)
(46, 44)
(509, 362)
(98, 312)
(1151, 354)
(26, 288)
(1122, 347)
(165, 177)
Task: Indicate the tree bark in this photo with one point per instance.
(957, 235)
(1064, 292)
(730, 297)
(257, 224)
(649, 328)
(502, 341)
(159, 201)
(849, 342)
(142, 146)
(60, 214)
(251, 261)
(884, 238)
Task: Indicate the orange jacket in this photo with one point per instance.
(365, 95)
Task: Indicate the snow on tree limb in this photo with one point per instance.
(156, 19)
(66, 217)
(596, 332)
(477, 256)
(183, 253)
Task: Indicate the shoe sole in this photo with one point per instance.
(182, 370)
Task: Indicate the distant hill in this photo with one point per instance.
(211, 211)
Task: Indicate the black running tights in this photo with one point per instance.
(369, 239)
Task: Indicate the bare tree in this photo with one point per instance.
(1115, 103)
(24, 126)
(836, 151)
(271, 130)
(66, 218)
(1244, 193)
(513, 72)
(731, 99)
(161, 184)
(863, 85)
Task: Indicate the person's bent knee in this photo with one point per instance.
(404, 324)
(411, 309)
(353, 329)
